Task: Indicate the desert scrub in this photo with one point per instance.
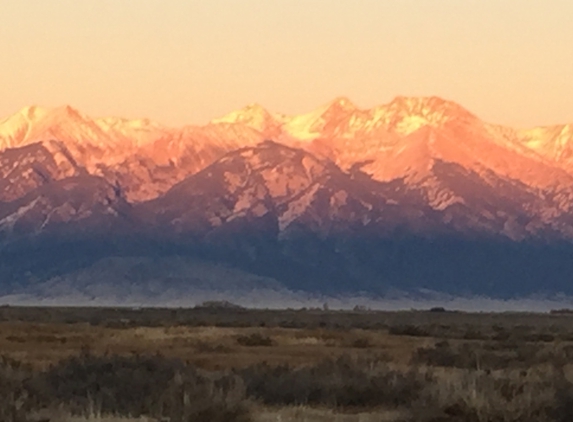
(536, 395)
(122, 386)
(255, 339)
(345, 382)
(146, 386)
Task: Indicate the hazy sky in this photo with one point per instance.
(185, 61)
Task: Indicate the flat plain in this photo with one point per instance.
(224, 363)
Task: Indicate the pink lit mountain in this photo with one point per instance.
(262, 190)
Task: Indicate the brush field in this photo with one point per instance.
(223, 363)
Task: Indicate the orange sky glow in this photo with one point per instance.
(188, 61)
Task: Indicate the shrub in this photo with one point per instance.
(465, 356)
(203, 347)
(219, 305)
(438, 309)
(409, 330)
(362, 343)
(151, 386)
(15, 400)
(344, 382)
(441, 354)
(473, 334)
(255, 339)
(507, 396)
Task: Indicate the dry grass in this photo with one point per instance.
(96, 418)
(106, 419)
(537, 395)
(209, 347)
(406, 366)
(309, 414)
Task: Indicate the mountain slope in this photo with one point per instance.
(288, 185)
(26, 168)
(415, 194)
(65, 207)
(145, 158)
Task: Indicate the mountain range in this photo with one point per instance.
(415, 195)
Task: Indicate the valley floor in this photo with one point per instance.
(238, 365)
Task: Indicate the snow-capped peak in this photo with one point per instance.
(32, 113)
(342, 103)
(253, 115)
(406, 115)
(311, 125)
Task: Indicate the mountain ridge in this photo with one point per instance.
(364, 198)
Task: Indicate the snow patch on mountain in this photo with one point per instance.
(7, 223)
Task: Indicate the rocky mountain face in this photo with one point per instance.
(415, 194)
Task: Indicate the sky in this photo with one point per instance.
(188, 61)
